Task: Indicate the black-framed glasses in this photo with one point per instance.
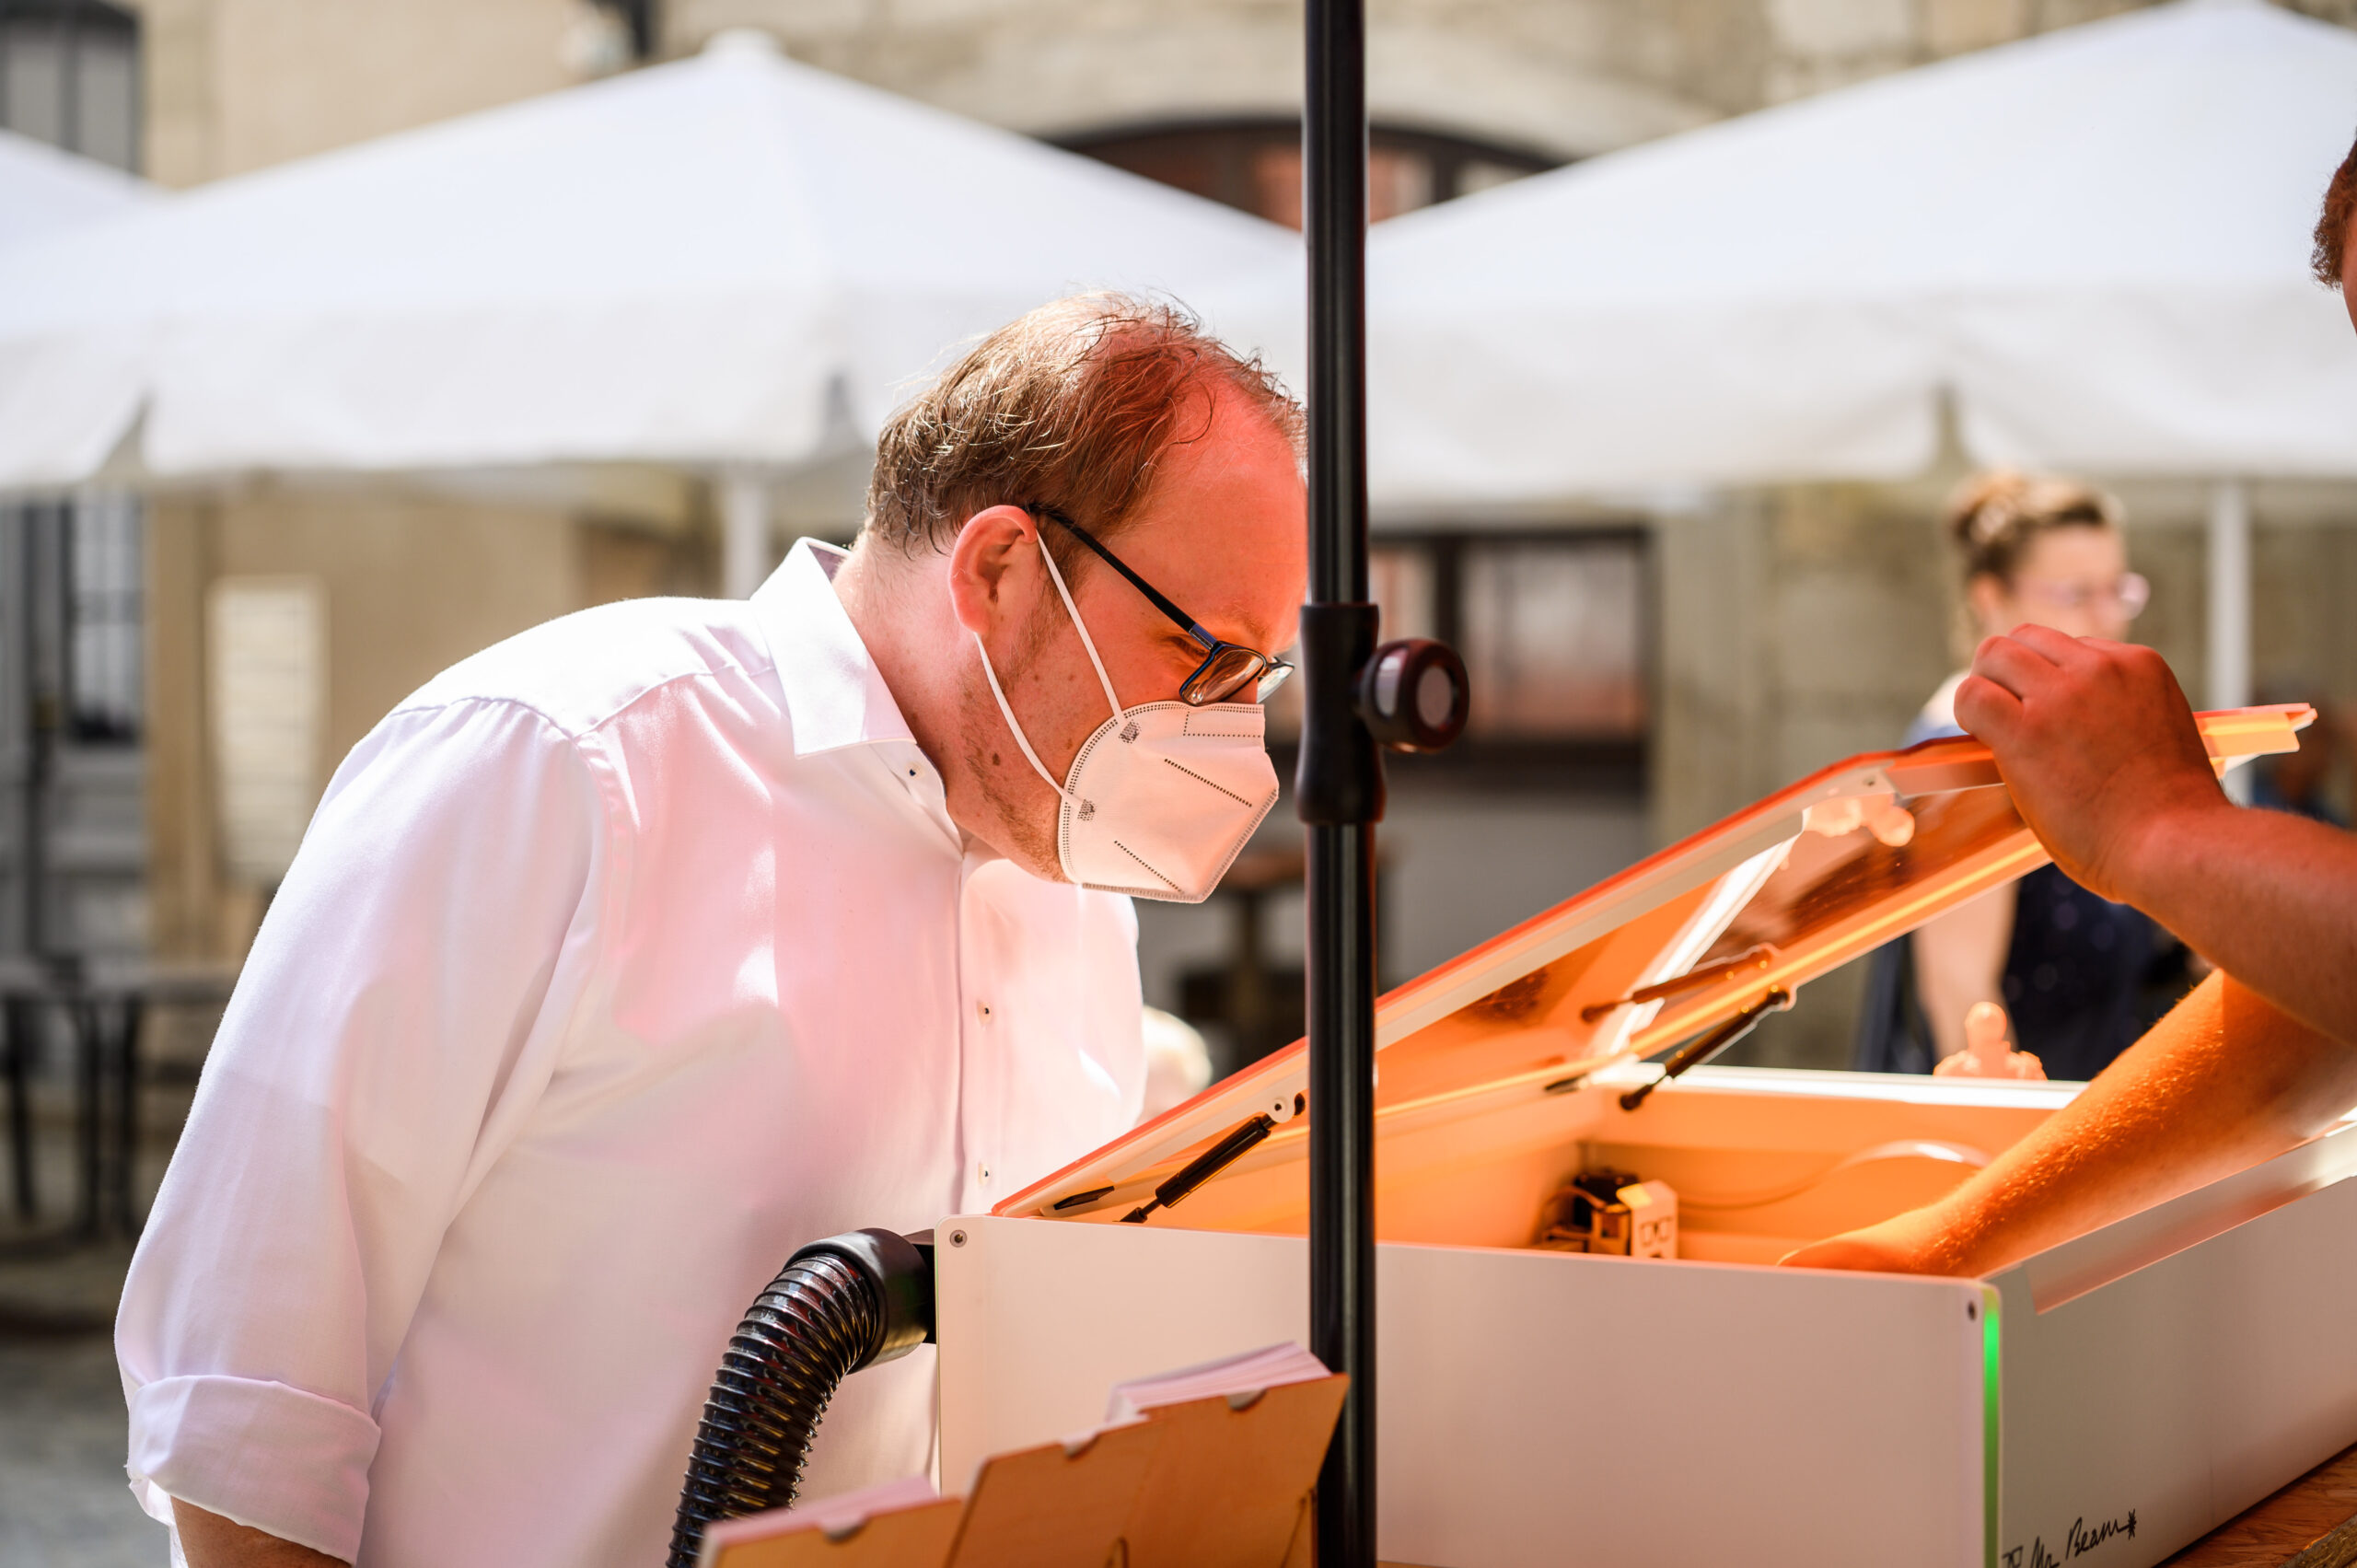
(1227, 668)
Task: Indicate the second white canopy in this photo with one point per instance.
(2096, 242)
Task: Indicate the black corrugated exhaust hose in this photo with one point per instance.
(838, 1305)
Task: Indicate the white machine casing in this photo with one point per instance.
(2113, 1398)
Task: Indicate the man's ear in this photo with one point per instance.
(994, 567)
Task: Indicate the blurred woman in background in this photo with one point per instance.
(2071, 969)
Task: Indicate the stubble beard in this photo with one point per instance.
(1025, 830)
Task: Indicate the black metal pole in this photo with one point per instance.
(1342, 1212)
(17, 1027)
(39, 694)
(1339, 789)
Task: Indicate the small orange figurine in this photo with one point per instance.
(1985, 1053)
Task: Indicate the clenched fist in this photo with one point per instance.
(2098, 745)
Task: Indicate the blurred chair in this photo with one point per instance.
(104, 1006)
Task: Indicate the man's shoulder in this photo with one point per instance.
(580, 670)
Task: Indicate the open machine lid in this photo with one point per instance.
(1767, 900)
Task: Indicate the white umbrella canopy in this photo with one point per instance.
(44, 191)
(730, 259)
(2095, 241)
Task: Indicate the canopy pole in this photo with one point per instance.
(1339, 786)
(2230, 619)
(744, 532)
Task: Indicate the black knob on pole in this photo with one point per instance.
(1413, 695)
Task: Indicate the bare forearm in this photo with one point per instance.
(208, 1541)
(2224, 1082)
(2269, 898)
(2104, 758)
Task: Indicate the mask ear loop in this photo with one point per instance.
(1085, 641)
(1007, 710)
(1007, 713)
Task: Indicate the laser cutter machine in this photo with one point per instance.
(1549, 1393)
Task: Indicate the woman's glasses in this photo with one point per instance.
(2129, 594)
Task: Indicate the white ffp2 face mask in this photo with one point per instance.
(1162, 798)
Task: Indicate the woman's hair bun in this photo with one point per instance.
(1996, 514)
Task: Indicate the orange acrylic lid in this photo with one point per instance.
(1768, 899)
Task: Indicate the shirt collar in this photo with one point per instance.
(834, 693)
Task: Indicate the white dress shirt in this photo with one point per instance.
(617, 962)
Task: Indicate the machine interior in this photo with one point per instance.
(1485, 1112)
(1500, 1076)
(1756, 1155)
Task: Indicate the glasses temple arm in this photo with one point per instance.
(1153, 593)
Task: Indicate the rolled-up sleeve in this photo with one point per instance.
(402, 1008)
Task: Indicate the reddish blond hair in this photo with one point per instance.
(1070, 406)
(2332, 227)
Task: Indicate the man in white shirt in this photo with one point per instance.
(632, 953)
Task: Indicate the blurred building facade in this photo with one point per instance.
(1720, 649)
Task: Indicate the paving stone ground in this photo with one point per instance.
(63, 1503)
(62, 1500)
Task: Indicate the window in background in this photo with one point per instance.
(1552, 631)
(75, 648)
(1255, 165)
(1399, 577)
(73, 849)
(1554, 628)
(69, 75)
(103, 668)
(606, 36)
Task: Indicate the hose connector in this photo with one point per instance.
(848, 1302)
(901, 1268)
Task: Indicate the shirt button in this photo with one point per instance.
(983, 1173)
(983, 1009)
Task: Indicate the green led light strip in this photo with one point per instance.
(1993, 1425)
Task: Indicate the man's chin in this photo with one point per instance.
(1010, 837)
(1014, 825)
(1038, 861)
